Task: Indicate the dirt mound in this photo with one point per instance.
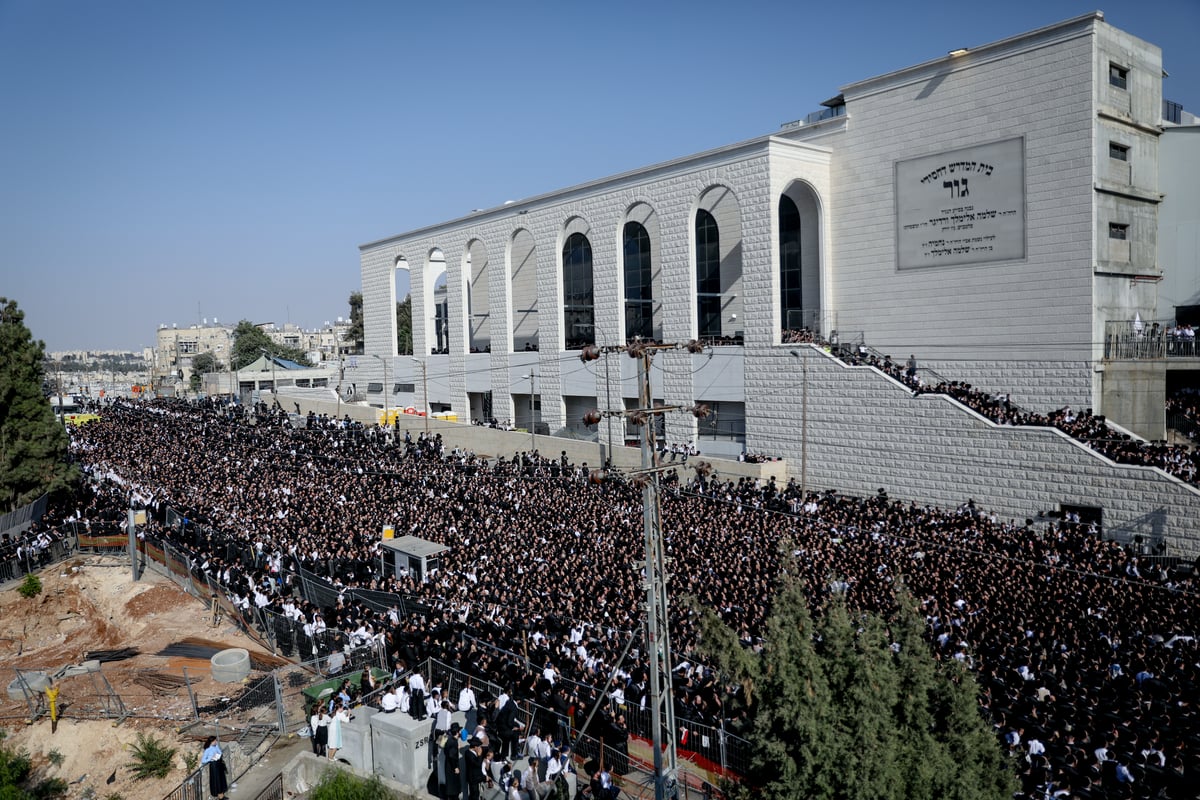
(161, 599)
(94, 604)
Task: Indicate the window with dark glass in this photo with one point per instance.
(1118, 76)
(708, 275)
(442, 326)
(1118, 151)
(790, 277)
(1117, 230)
(639, 287)
(579, 313)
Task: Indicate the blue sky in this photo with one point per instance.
(162, 162)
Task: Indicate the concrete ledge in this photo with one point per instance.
(303, 772)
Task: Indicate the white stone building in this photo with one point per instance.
(992, 212)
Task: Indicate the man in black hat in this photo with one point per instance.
(473, 759)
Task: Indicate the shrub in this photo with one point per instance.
(15, 767)
(151, 758)
(191, 761)
(52, 787)
(56, 758)
(337, 784)
(31, 586)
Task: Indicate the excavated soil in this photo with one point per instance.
(91, 604)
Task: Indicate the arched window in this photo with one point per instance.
(639, 285)
(708, 275)
(579, 312)
(790, 263)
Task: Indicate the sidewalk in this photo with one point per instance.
(259, 777)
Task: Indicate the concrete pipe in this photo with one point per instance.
(34, 682)
(231, 666)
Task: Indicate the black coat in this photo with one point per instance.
(473, 767)
(453, 773)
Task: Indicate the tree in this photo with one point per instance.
(356, 333)
(249, 342)
(33, 445)
(205, 362)
(338, 784)
(854, 705)
(20, 781)
(404, 329)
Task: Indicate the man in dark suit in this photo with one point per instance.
(474, 768)
(508, 730)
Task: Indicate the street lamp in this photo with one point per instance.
(233, 376)
(424, 392)
(383, 361)
(532, 428)
(803, 421)
(274, 383)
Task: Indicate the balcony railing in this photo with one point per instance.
(1135, 339)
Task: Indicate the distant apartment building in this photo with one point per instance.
(176, 347)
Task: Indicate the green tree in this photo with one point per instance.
(33, 445)
(852, 705)
(18, 780)
(404, 329)
(861, 676)
(356, 333)
(205, 362)
(249, 342)
(338, 784)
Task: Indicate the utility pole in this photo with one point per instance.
(341, 377)
(532, 414)
(803, 356)
(608, 405)
(383, 361)
(424, 392)
(658, 639)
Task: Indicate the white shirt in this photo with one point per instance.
(533, 745)
(466, 699)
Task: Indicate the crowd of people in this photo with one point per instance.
(1084, 650)
(1092, 429)
(1183, 413)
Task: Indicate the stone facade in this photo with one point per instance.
(1029, 324)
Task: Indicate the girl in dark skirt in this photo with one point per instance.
(218, 785)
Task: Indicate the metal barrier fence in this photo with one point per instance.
(273, 790)
(195, 785)
(726, 751)
(24, 516)
(192, 787)
(14, 566)
(634, 774)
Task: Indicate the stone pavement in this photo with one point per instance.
(259, 777)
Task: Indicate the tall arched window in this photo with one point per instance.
(639, 285)
(708, 275)
(579, 312)
(791, 286)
